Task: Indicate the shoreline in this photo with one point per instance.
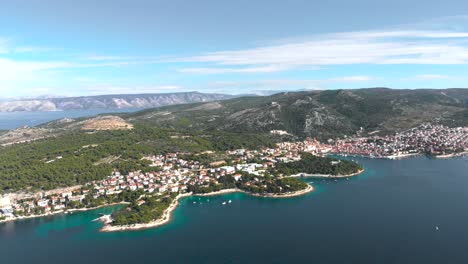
(391, 157)
(309, 188)
(167, 215)
(164, 219)
(69, 211)
(403, 156)
(330, 176)
(452, 155)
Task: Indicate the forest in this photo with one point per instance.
(79, 157)
(312, 164)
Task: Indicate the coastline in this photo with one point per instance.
(309, 188)
(447, 156)
(391, 157)
(403, 156)
(164, 219)
(58, 212)
(167, 215)
(330, 176)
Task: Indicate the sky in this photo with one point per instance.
(88, 47)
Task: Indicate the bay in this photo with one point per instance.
(388, 214)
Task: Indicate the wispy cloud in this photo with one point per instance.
(3, 46)
(13, 69)
(432, 77)
(30, 49)
(360, 78)
(260, 69)
(116, 89)
(259, 86)
(368, 47)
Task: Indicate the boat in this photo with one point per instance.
(224, 203)
(229, 201)
(437, 228)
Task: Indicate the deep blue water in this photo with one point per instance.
(387, 215)
(14, 120)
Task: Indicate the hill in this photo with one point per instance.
(322, 114)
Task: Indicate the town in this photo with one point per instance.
(429, 139)
(175, 173)
(169, 173)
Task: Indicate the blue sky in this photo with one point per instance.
(70, 48)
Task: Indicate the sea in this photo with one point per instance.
(413, 210)
(13, 120)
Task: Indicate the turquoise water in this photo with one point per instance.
(386, 215)
(14, 120)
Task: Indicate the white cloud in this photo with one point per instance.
(116, 89)
(14, 69)
(260, 69)
(259, 86)
(432, 77)
(429, 77)
(368, 47)
(352, 79)
(3, 46)
(105, 58)
(30, 49)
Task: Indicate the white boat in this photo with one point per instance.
(229, 201)
(224, 203)
(437, 228)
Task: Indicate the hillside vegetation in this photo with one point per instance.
(322, 114)
(63, 154)
(79, 157)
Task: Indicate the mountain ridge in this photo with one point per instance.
(325, 113)
(111, 101)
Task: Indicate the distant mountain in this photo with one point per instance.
(109, 101)
(323, 114)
